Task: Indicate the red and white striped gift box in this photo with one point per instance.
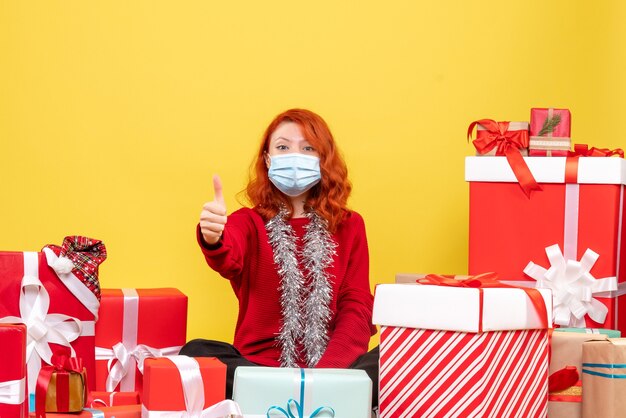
(461, 352)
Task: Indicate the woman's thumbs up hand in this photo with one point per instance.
(213, 215)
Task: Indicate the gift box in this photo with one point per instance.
(564, 400)
(55, 294)
(462, 351)
(99, 399)
(550, 132)
(123, 411)
(61, 387)
(181, 383)
(13, 392)
(566, 237)
(262, 391)
(604, 378)
(611, 333)
(136, 324)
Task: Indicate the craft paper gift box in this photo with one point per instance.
(604, 378)
(567, 237)
(136, 324)
(13, 371)
(123, 411)
(182, 386)
(266, 391)
(549, 132)
(567, 351)
(106, 399)
(58, 307)
(440, 357)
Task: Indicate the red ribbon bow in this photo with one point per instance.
(62, 365)
(488, 280)
(583, 150)
(508, 143)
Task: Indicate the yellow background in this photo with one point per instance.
(114, 115)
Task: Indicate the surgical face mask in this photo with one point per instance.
(294, 174)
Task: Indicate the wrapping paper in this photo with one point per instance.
(13, 392)
(554, 142)
(136, 324)
(583, 219)
(604, 378)
(124, 411)
(164, 389)
(434, 363)
(31, 289)
(106, 399)
(266, 390)
(567, 350)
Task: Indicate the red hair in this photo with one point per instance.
(328, 197)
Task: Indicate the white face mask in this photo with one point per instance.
(294, 174)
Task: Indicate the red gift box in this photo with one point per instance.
(547, 237)
(13, 371)
(106, 399)
(181, 383)
(550, 132)
(462, 351)
(136, 324)
(59, 308)
(122, 411)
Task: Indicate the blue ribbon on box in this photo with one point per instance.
(604, 366)
(299, 406)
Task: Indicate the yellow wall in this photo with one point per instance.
(114, 115)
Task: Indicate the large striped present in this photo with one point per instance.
(462, 352)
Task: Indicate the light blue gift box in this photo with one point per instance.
(611, 333)
(263, 392)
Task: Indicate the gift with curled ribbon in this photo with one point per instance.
(55, 293)
(468, 347)
(99, 399)
(508, 139)
(61, 386)
(567, 238)
(136, 324)
(186, 387)
(271, 392)
(549, 132)
(13, 371)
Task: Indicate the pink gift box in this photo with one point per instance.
(550, 132)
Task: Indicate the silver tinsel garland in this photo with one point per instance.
(305, 309)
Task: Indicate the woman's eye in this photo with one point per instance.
(309, 148)
(282, 147)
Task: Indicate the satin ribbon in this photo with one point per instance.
(63, 266)
(583, 150)
(43, 328)
(563, 379)
(12, 392)
(62, 366)
(193, 391)
(298, 407)
(127, 355)
(488, 280)
(616, 367)
(508, 143)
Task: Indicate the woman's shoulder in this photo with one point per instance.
(352, 219)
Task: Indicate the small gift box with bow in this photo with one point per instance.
(303, 393)
(122, 411)
(472, 347)
(61, 387)
(565, 391)
(136, 324)
(13, 371)
(56, 294)
(567, 238)
(549, 132)
(604, 378)
(181, 386)
(99, 399)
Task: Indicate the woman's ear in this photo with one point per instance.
(267, 160)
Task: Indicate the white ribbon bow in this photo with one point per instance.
(12, 392)
(43, 328)
(572, 287)
(122, 360)
(193, 391)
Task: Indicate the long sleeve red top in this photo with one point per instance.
(245, 257)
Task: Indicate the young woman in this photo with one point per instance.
(297, 260)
